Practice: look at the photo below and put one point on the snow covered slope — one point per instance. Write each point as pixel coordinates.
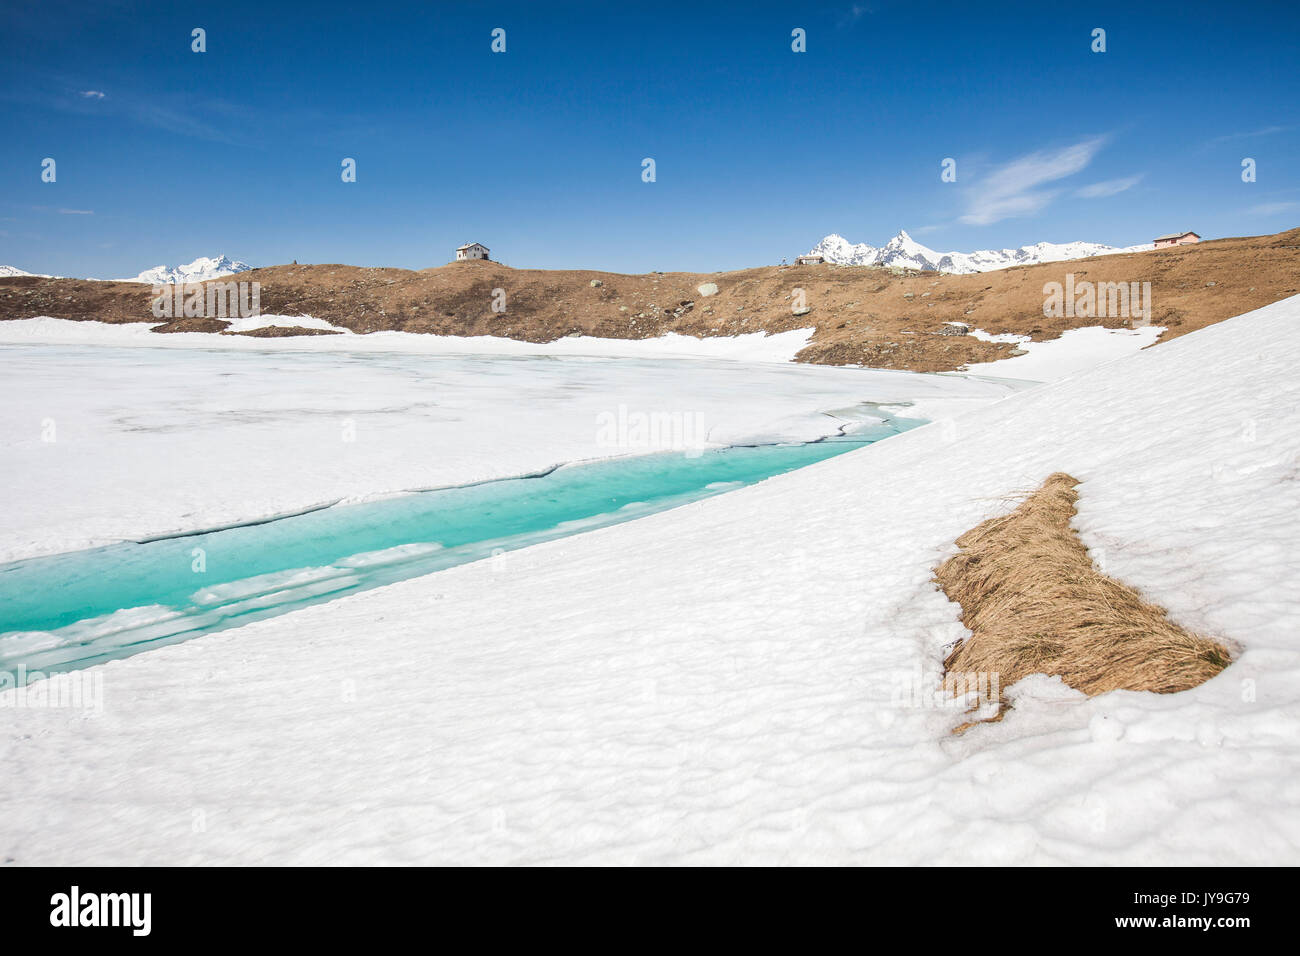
(905, 252)
(200, 270)
(746, 678)
(8, 271)
(1073, 351)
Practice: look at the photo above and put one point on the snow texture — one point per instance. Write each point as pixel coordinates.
(748, 678)
(1070, 352)
(109, 444)
(750, 347)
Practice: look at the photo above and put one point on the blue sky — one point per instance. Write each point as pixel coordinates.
(164, 155)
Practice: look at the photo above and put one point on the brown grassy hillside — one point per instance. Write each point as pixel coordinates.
(862, 315)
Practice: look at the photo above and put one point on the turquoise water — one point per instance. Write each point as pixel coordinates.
(71, 610)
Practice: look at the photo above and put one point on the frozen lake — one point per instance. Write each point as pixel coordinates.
(72, 610)
(159, 493)
(102, 444)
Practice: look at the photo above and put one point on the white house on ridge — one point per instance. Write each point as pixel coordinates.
(472, 250)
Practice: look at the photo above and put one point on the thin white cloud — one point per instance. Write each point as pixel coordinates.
(76, 212)
(196, 116)
(1013, 190)
(1266, 131)
(1272, 208)
(1109, 187)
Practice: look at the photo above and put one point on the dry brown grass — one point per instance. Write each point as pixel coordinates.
(862, 315)
(1035, 604)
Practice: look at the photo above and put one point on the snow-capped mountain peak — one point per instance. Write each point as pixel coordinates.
(200, 270)
(9, 271)
(903, 251)
(835, 248)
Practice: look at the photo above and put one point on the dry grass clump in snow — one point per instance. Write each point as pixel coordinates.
(1034, 603)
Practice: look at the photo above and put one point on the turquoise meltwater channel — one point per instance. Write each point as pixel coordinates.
(68, 611)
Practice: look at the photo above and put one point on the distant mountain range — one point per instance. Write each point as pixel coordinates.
(902, 252)
(905, 252)
(200, 270)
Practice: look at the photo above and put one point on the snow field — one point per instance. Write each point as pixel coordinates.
(727, 682)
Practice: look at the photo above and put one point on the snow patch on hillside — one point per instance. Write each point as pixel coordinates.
(1073, 351)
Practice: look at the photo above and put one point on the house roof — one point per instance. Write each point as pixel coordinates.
(1177, 235)
(468, 244)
